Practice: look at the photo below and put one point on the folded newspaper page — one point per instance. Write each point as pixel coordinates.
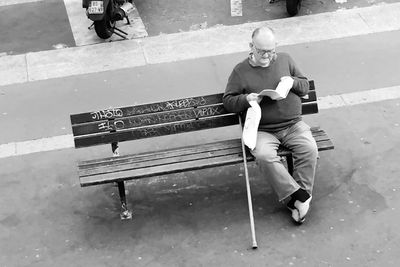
(250, 129)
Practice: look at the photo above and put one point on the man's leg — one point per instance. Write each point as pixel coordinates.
(271, 166)
(304, 149)
(305, 152)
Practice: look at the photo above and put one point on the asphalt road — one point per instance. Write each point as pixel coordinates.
(37, 25)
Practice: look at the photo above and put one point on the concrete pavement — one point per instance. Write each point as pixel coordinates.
(201, 218)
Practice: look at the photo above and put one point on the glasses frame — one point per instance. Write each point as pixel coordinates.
(262, 52)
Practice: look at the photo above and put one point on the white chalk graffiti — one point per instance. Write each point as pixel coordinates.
(185, 103)
(107, 114)
(208, 111)
(111, 125)
(166, 106)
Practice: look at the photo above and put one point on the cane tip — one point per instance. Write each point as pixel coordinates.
(255, 246)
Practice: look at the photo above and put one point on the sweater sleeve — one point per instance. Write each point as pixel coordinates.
(300, 84)
(234, 98)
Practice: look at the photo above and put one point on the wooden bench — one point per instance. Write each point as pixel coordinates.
(115, 125)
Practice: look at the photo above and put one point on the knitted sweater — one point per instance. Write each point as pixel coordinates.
(276, 114)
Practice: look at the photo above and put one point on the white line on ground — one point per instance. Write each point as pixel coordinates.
(327, 102)
(236, 8)
(15, 2)
(189, 45)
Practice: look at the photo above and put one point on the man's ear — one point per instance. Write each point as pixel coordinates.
(251, 45)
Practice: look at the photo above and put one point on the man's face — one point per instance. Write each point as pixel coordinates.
(263, 50)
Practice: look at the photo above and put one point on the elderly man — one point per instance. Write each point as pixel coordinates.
(280, 122)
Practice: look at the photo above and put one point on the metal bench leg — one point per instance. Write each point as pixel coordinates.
(115, 149)
(125, 213)
(289, 161)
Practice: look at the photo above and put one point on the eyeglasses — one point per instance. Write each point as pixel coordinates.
(262, 52)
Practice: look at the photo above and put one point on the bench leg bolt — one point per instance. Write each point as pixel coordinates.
(126, 215)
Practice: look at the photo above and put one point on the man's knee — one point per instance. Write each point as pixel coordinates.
(310, 149)
(312, 145)
(266, 155)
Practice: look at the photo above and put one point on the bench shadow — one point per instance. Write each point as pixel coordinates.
(195, 203)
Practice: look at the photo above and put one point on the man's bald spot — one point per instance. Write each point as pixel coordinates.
(263, 34)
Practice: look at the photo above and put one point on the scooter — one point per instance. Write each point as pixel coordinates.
(293, 7)
(105, 13)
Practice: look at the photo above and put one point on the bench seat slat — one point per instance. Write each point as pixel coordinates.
(325, 145)
(175, 160)
(148, 156)
(318, 135)
(160, 170)
(158, 162)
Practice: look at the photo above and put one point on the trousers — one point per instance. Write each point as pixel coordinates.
(298, 138)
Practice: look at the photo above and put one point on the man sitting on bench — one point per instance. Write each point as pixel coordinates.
(280, 122)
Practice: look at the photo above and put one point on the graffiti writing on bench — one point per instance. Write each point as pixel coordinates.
(166, 106)
(107, 114)
(171, 129)
(180, 127)
(157, 118)
(111, 125)
(185, 103)
(149, 132)
(170, 117)
(208, 111)
(165, 117)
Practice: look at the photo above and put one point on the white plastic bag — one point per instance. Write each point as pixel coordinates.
(250, 129)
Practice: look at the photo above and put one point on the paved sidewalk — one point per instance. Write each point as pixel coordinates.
(201, 218)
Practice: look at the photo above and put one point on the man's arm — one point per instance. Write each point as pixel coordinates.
(234, 98)
(300, 83)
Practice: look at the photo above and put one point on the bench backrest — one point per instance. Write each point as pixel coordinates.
(163, 118)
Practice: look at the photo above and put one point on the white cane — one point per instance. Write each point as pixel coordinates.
(246, 173)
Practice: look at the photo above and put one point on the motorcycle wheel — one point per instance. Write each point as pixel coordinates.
(293, 7)
(104, 27)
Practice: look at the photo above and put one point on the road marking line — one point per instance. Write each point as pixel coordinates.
(327, 102)
(16, 2)
(38, 145)
(196, 44)
(361, 97)
(236, 8)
